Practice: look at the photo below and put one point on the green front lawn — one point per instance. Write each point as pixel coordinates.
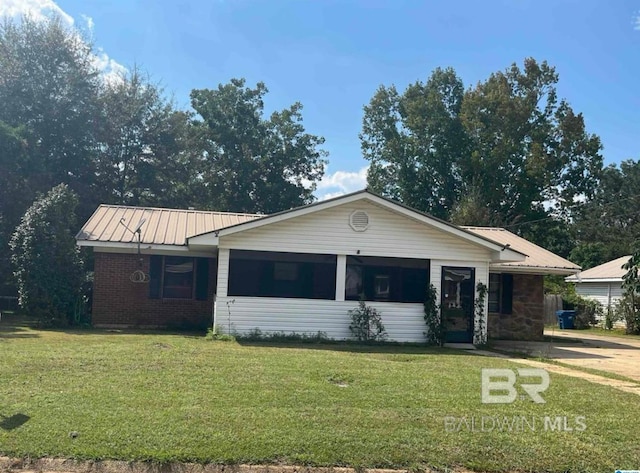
(165, 397)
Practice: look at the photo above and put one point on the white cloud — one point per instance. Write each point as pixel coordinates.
(36, 9)
(41, 10)
(112, 71)
(636, 23)
(88, 21)
(341, 182)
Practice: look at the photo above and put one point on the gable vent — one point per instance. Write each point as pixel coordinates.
(359, 220)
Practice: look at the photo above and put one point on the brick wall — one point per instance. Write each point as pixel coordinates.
(526, 322)
(118, 302)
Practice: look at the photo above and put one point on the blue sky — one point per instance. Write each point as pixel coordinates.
(331, 55)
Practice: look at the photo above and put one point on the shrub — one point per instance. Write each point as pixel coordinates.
(628, 309)
(258, 335)
(222, 337)
(587, 311)
(48, 267)
(366, 323)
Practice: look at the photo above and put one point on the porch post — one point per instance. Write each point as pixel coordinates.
(341, 276)
(223, 281)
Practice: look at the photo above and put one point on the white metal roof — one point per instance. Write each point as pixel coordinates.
(538, 259)
(609, 271)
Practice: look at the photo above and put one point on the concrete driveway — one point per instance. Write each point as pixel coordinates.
(577, 347)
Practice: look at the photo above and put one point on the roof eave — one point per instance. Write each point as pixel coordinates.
(592, 280)
(526, 269)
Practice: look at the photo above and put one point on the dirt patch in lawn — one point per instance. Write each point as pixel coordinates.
(59, 465)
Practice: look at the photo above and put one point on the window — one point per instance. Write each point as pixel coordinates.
(494, 292)
(178, 277)
(386, 279)
(292, 275)
(500, 293)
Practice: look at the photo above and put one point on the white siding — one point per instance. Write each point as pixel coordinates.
(328, 232)
(600, 291)
(403, 322)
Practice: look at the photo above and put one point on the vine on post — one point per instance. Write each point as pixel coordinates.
(433, 317)
(480, 324)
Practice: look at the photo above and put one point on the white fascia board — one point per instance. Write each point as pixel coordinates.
(503, 254)
(132, 248)
(498, 268)
(594, 280)
(204, 241)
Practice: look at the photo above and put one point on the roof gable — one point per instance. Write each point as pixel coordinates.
(609, 271)
(501, 252)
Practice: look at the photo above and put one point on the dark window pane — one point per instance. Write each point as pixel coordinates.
(386, 279)
(178, 277)
(271, 274)
(494, 292)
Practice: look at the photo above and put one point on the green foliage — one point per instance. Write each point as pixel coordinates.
(249, 163)
(555, 284)
(588, 311)
(257, 335)
(480, 317)
(49, 89)
(489, 155)
(366, 323)
(142, 139)
(590, 254)
(221, 337)
(121, 141)
(613, 314)
(630, 303)
(47, 262)
(607, 225)
(433, 317)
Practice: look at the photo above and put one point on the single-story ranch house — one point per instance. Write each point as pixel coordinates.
(601, 283)
(303, 269)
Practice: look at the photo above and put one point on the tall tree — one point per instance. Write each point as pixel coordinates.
(608, 226)
(49, 87)
(529, 150)
(249, 163)
(415, 142)
(504, 152)
(140, 141)
(48, 100)
(13, 200)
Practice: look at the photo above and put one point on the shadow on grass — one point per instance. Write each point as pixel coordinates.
(358, 347)
(13, 422)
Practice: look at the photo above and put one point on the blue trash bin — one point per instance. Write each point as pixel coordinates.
(565, 319)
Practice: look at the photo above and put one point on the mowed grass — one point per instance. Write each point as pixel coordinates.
(167, 397)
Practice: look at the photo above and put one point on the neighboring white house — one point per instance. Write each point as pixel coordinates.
(602, 283)
(302, 270)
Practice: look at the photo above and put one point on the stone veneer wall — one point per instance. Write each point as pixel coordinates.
(526, 322)
(118, 302)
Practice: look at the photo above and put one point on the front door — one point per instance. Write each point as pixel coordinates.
(458, 290)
